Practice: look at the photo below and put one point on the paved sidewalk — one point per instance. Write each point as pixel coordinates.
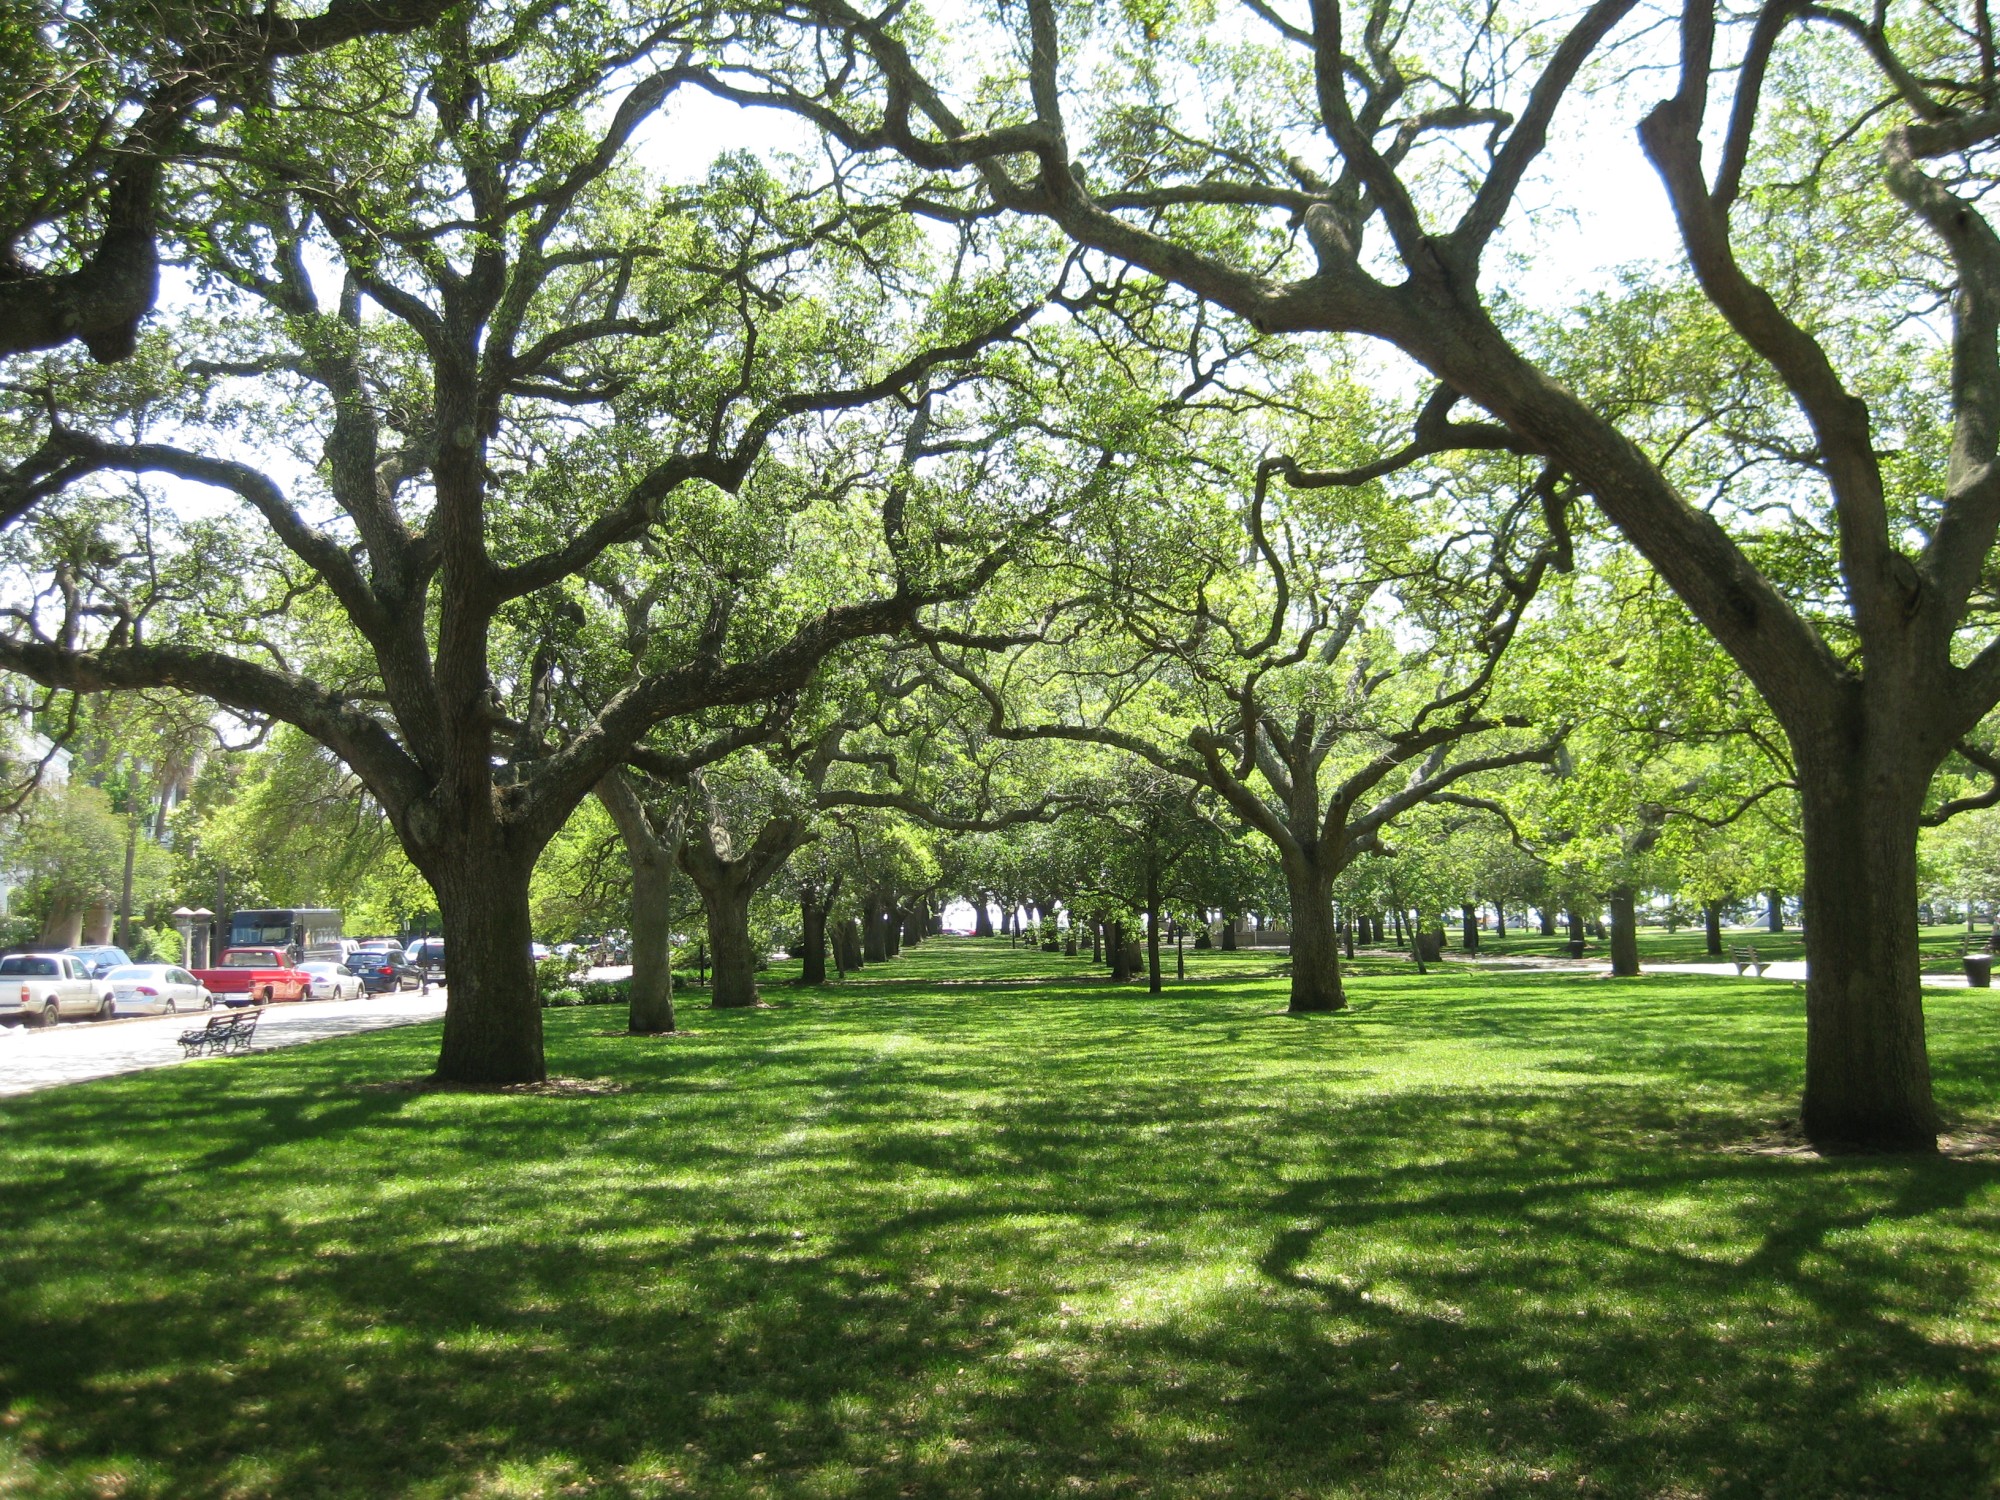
(1792, 969)
(76, 1050)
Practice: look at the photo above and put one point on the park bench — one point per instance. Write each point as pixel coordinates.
(225, 1033)
(1746, 958)
(1973, 943)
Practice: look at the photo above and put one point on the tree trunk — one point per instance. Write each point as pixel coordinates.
(492, 1015)
(1315, 947)
(1868, 1081)
(1469, 927)
(1576, 933)
(982, 917)
(1097, 938)
(1121, 956)
(1548, 916)
(851, 945)
(1396, 919)
(1153, 985)
(1711, 923)
(1229, 932)
(1775, 915)
(892, 932)
(97, 923)
(872, 925)
(125, 891)
(1624, 933)
(63, 927)
(652, 991)
(729, 946)
(812, 937)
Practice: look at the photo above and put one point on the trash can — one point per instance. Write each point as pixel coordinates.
(1979, 971)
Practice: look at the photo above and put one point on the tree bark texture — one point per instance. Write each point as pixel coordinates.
(1711, 926)
(1469, 928)
(727, 907)
(1774, 912)
(1316, 985)
(873, 931)
(814, 901)
(1868, 1080)
(651, 855)
(1624, 933)
(493, 1015)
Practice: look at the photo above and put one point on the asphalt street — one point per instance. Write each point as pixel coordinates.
(41, 1058)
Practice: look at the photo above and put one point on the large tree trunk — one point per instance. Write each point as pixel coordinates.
(1548, 916)
(1315, 947)
(1624, 933)
(1229, 932)
(63, 927)
(892, 932)
(492, 1015)
(730, 950)
(1468, 927)
(1774, 915)
(1711, 926)
(872, 924)
(982, 916)
(652, 987)
(812, 936)
(97, 924)
(1868, 1080)
(651, 856)
(1121, 954)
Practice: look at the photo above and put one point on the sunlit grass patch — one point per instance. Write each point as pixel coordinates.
(1485, 1235)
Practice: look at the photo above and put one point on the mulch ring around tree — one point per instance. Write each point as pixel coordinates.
(1960, 1143)
(560, 1088)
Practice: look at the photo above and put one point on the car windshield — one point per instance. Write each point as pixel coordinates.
(35, 966)
(133, 971)
(250, 960)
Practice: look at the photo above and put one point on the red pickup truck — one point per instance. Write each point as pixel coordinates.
(255, 976)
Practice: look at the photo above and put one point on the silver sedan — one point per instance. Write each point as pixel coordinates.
(331, 981)
(151, 989)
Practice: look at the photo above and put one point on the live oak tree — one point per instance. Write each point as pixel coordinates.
(1319, 665)
(484, 355)
(1330, 168)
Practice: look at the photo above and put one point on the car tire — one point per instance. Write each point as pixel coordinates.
(173, 1006)
(51, 1013)
(107, 1009)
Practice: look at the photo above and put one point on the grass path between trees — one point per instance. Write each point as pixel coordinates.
(1482, 1235)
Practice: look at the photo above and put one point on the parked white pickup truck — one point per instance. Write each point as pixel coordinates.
(41, 988)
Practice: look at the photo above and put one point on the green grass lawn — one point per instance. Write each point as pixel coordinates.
(1481, 1235)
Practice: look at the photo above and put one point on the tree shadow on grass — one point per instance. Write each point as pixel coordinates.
(1060, 1248)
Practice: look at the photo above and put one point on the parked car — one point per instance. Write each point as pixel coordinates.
(331, 981)
(428, 955)
(383, 967)
(42, 988)
(155, 989)
(101, 958)
(254, 976)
